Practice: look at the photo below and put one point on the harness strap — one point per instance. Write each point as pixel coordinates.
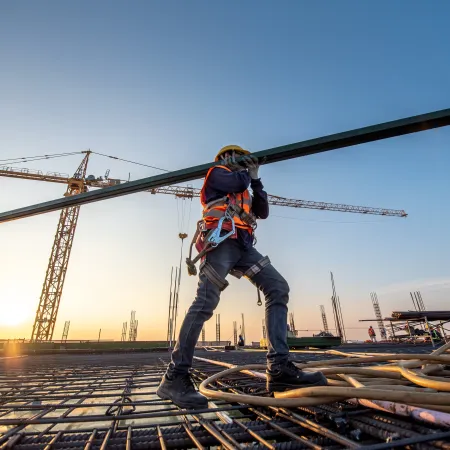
(236, 273)
(213, 202)
(256, 268)
(210, 273)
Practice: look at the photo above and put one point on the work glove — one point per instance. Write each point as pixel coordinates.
(252, 165)
(248, 162)
(230, 162)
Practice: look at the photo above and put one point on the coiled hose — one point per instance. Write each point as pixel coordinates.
(395, 382)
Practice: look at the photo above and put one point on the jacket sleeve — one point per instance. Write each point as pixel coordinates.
(260, 203)
(228, 182)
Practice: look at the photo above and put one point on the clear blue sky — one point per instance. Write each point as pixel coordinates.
(169, 83)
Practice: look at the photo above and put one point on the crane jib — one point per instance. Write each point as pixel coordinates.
(349, 138)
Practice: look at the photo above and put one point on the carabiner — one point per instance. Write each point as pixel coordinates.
(215, 238)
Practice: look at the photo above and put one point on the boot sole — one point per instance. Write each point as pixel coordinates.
(280, 387)
(182, 405)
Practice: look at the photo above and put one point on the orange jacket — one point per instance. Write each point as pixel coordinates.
(214, 210)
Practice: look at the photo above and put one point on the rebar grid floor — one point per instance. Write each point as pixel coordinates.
(109, 401)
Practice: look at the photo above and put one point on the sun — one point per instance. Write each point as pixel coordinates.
(13, 314)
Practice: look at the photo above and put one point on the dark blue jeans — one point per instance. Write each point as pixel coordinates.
(227, 256)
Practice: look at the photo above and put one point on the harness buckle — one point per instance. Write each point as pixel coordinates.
(214, 238)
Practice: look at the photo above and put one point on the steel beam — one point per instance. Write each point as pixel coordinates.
(332, 142)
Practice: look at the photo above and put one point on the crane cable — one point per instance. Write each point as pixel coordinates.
(23, 159)
(389, 382)
(131, 162)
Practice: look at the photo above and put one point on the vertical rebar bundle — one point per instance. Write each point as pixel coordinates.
(173, 306)
(235, 336)
(243, 328)
(123, 338)
(378, 315)
(417, 300)
(338, 319)
(292, 323)
(133, 327)
(203, 334)
(324, 319)
(65, 331)
(217, 328)
(169, 317)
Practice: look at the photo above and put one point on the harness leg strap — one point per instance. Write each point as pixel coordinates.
(213, 276)
(236, 273)
(256, 268)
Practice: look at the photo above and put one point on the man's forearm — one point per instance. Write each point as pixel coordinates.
(260, 203)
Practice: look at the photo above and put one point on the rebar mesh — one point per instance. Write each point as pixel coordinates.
(109, 401)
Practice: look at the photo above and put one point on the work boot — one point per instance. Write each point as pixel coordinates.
(288, 376)
(181, 390)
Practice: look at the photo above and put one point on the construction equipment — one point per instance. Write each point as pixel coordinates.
(57, 268)
(47, 311)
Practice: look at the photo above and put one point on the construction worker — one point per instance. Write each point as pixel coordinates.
(372, 334)
(225, 194)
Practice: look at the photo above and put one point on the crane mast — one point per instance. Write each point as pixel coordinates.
(52, 288)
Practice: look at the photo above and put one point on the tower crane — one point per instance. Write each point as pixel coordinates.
(52, 288)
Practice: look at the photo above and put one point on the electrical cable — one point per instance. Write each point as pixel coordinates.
(425, 390)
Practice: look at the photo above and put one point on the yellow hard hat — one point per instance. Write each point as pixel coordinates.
(231, 148)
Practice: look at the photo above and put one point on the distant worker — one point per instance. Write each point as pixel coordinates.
(372, 334)
(241, 342)
(436, 335)
(225, 242)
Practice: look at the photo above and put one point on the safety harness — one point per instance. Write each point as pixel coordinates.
(220, 219)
